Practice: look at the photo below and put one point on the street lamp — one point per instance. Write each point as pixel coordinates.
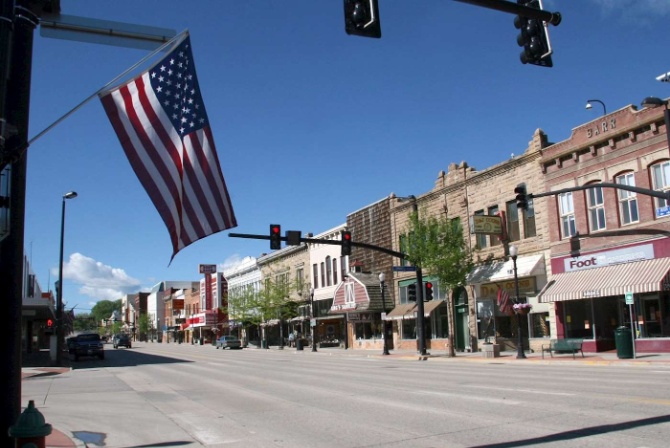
(59, 290)
(382, 277)
(652, 102)
(514, 252)
(420, 318)
(589, 106)
(312, 327)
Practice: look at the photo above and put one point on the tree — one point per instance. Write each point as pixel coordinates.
(104, 308)
(143, 324)
(84, 322)
(437, 246)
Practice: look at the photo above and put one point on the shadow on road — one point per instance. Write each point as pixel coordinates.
(579, 433)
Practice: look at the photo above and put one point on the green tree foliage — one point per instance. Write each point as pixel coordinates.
(104, 309)
(84, 322)
(144, 325)
(437, 246)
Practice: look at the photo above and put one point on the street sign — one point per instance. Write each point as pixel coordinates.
(207, 268)
(629, 298)
(486, 225)
(404, 268)
(312, 322)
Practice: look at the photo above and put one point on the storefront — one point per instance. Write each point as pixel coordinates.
(489, 281)
(358, 296)
(589, 297)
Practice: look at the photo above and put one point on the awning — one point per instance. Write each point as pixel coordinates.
(637, 277)
(429, 307)
(402, 311)
(504, 270)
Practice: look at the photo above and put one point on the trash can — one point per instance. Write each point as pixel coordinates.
(264, 344)
(298, 344)
(623, 342)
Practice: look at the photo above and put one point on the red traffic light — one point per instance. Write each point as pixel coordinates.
(276, 230)
(50, 323)
(429, 285)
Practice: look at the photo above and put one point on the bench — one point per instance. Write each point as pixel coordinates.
(563, 346)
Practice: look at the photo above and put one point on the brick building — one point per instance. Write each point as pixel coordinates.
(610, 246)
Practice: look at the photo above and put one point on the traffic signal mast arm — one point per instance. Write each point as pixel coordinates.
(532, 13)
(319, 241)
(645, 191)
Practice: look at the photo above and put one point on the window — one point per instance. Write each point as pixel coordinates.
(334, 271)
(349, 293)
(402, 243)
(529, 220)
(660, 178)
(343, 263)
(315, 275)
(323, 274)
(494, 241)
(300, 278)
(513, 232)
(627, 199)
(596, 205)
(567, 212)
(481, 240)
(329, 272)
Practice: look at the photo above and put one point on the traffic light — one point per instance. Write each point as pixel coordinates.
(521, 197)
(361, 18)
(50, 323)
(533, 37)
(275, 236)
(411, 292)
(429, 292)
(346, 242)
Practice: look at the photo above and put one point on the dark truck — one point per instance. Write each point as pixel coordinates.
(85, 344)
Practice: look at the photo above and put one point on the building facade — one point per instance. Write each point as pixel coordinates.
(610, 251)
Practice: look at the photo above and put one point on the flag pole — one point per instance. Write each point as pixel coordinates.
(178, 38)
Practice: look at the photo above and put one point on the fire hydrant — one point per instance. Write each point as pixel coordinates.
(30, 431)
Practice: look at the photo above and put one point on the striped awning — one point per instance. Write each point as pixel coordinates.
(637, 277)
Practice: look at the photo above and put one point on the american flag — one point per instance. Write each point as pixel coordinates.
(504, 302)
(160, 120)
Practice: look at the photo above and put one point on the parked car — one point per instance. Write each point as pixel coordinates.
(228, 342)
(85, 344)
(121, 340)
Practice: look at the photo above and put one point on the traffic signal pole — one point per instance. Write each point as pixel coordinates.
(16, 108)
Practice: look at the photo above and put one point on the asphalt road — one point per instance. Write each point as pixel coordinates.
(183, 395)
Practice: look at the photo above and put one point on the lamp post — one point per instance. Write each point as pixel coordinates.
(589, 106)
(59, 290)
(651, 102)
(514, 252)
(382, 277)
(311, 311)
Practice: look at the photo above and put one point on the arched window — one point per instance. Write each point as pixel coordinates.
(596, 205)
(660, 180)
(329, 272)
(566, 209)
(627, 199)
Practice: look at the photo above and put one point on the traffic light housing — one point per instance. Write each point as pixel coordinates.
(428, 296)
(521, 197)
(275, 236)
(411, 292)
(346, 242)
(533, 37)
(361, 18)
(50, 323)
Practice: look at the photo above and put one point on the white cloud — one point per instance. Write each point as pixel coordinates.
(641, 11)
(231, 262)
(97, 280)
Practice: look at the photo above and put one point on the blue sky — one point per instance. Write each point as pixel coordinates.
(312, 124)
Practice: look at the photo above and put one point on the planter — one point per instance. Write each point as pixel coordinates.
(523, 311)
